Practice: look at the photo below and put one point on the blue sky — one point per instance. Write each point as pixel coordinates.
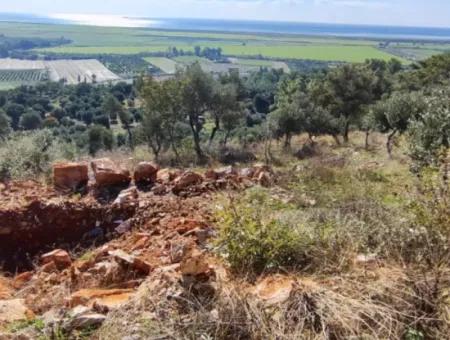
(383, 12)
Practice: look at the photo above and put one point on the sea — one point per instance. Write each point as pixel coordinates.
(241, 26)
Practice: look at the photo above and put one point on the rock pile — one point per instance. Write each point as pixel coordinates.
(161, 233)
(162, 181)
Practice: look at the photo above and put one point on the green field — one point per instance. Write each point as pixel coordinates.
(312, 52)
(253, 62)
(164, 64)
(126, 41)
(10, 79)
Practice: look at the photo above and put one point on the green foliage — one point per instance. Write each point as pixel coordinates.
(197, 95)
(426, 74)
(30, 120)
(14, 111)
(413, 334)
(291, 104)
(394, 114)
(251, 242)
(429, 132)
(225, 110)
(36, 324)
(27, 155)
(112, 107)
(99, 138)
(346, 91)
(5, 125)
(163, 115)
(296, 112)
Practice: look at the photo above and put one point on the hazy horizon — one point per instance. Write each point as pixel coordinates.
(431, 13)
(108, 20)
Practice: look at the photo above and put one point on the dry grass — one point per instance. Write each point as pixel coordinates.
(368, 303)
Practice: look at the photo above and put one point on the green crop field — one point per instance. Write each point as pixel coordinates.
(129, 41)
(253, 62)
(12, 78)
(313, 52)
(164, 64)
(124, 50)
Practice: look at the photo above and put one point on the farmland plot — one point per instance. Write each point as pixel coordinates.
(166, 65)
(18, 64)
(260, 63)
(15, 72)
(22, 75)
(76, 71)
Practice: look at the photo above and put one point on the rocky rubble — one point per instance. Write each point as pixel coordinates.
(150, 234)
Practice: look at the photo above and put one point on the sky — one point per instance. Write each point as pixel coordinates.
(432, 13)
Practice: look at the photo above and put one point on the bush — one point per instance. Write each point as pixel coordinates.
(429, 132)
(253, 240)
(5, 124)
(31, 120)
(100, 138)
(27, 155)
(229, 155)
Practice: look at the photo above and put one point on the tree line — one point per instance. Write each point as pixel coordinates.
(198, 111)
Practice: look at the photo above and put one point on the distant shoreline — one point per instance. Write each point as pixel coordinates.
(238, 26)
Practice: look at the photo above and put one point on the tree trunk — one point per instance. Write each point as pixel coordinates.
(175, 151)
(196, 135)
(389, 142)
(156, 150)
(366, 144)
(213, 132)
(130, 137)
(198, 149)
(346, 131)
(225, 140)
(268, 150)
(287, 141)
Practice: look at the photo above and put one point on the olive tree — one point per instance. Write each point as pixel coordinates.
(197, 94)
(429, 130)
(163, 114)
(287, 118)
(392, 115)
(345, 92)
(224, 108)
(296, 112)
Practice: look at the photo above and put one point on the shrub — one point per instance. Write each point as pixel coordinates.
(100, 138)
(27, 155)
(31, 120)
(429, 132)
(5, 125)
(259, 233)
